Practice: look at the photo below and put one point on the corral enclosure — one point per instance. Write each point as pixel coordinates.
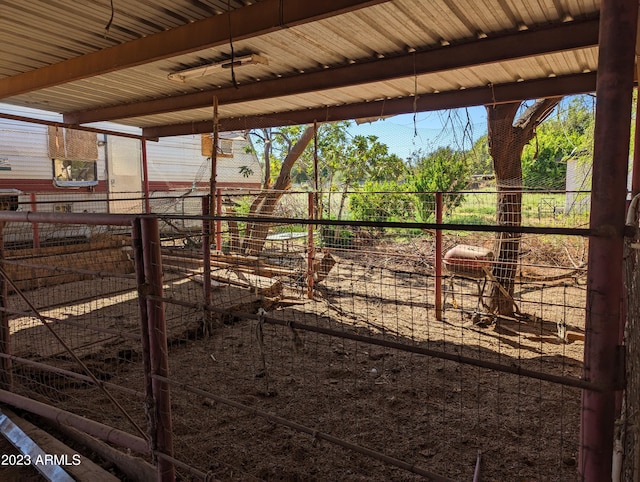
(272, 377)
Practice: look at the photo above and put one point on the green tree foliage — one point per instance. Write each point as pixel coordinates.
(382, 201)
(479, 157)
(568, 134)
(368, 163)
(443, 170)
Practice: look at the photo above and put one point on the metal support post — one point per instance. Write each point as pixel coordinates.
(310, 246)
(618, 25)
(158, 349)
(438, 260)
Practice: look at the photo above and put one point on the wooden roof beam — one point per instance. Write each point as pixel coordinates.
(511, 92)
(516, 45)
(256, 19)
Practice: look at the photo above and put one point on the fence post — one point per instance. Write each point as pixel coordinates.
(145, 176)
(310, 245)
(6, 376)
(219, 221)
(206, 251)
(438, 260)
(136, 242)
(158, 350)
(36, 226)
(602, 363)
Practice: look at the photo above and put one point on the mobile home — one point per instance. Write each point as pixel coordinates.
(52, 169)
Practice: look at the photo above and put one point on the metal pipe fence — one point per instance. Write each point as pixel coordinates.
(342, 349)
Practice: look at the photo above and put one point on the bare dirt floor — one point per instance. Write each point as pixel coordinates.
(359, 383)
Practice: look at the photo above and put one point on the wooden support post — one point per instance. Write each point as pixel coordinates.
(158, 348)
(438, 260)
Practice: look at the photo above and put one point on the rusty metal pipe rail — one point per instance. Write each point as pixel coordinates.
(91, 427)
(68, 373)
(93, 219)
(53, 320)
(65, 269)
(514, 370)
(402, 225)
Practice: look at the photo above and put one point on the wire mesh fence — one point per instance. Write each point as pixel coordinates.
(369, 342)
(627, 448)
(319, 351)
(74, 324)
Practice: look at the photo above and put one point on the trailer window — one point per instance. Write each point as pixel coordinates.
(225, 148)
(8, 203)
(76, 173)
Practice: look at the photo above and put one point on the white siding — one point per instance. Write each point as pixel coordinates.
(180, 159)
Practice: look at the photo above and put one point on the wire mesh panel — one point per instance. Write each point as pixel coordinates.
(327, 360)
(304, 347)
(74, 325)
(627, 441)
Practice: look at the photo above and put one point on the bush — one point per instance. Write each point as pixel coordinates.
(381, 201)
(443, 170)
(336, 237)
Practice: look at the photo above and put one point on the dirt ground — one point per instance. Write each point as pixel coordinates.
(342, 386)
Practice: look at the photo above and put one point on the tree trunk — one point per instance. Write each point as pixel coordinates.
(506, 142)
(265, 204)
(266, 155)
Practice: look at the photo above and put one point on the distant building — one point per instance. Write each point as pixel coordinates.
(578, 185)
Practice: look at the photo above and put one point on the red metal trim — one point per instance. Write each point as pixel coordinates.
(46, 186)
(93, 219)
(33, 120)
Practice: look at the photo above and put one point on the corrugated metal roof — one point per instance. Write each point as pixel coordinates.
(39, 33)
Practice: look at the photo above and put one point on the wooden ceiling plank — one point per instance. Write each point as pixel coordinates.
(253, 20)
(517, 45)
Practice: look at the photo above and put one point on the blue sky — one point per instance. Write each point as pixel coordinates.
(457, 128)
(404, 134)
